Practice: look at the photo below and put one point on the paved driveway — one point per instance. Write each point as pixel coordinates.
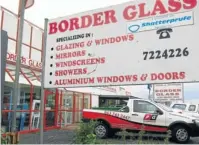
(66, 137)
(50, 137)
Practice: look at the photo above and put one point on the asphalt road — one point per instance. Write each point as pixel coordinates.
(67, 137)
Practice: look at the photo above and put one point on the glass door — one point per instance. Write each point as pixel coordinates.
(49, 113)
(78, 106)
(65, 114)
(6, 107)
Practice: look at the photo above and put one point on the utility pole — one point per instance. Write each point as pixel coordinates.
(149, 86)
(18, 63)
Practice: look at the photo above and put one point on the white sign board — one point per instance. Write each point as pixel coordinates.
(168, 92)
(139, 42)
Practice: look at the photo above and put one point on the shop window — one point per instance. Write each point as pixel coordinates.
(35, 55)
(86, 101)
(25, 51)
(50, 102)
(26, 33)
(67, 101)
(11, 49)
(37, 38)
(192, 108)
(9, 24)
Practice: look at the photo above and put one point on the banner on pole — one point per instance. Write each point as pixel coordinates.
(138, 42)
(168, 92)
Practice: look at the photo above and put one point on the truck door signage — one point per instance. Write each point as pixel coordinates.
(150, 117)
(118, 115)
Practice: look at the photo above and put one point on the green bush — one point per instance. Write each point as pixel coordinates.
(85, 133)
(5, 139)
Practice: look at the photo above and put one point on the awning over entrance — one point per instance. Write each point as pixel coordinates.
(27, 75)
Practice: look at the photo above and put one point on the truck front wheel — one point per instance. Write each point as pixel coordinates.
(101, 130)
(180, 134)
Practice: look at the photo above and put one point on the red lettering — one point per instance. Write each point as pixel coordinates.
(63, 26)
(153, 76)
(159, 7)
(74, 25)
(161, 76)
(117, 39)
(71, 72)
(131, 37)
(53, 28)
(129, 12)
(182, 75)
(13, 57)
(111, 79)
(168, 76)
(110, 17)
(98, 19)
(95, 19)
(174, 5)
(56, 82)
(175, 76)
(30, 63)
(121, 78)
(23, 60)
(189, 4)
(86, 21)
(142, 12)
(70, 54)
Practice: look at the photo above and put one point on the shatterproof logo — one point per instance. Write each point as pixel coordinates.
(167, 21)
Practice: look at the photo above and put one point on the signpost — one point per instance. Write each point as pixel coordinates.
(132, 43)
(104, 47)
(18, 64)
(149, 86)
(4, 48)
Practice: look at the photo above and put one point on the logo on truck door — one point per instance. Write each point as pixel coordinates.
(150, 117)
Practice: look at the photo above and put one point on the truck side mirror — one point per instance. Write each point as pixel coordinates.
(159, 112)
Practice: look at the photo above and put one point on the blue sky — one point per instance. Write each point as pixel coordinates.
(191, 91)
(52, 9)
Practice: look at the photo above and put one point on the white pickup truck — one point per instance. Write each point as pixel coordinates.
(190, 109)
(141, 113)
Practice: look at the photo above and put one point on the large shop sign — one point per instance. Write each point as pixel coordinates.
(168, 92)
(139, 42)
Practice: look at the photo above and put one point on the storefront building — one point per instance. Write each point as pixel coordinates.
(62, 107)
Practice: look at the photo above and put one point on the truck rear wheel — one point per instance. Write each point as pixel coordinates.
(180, 134)
(101, 130)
